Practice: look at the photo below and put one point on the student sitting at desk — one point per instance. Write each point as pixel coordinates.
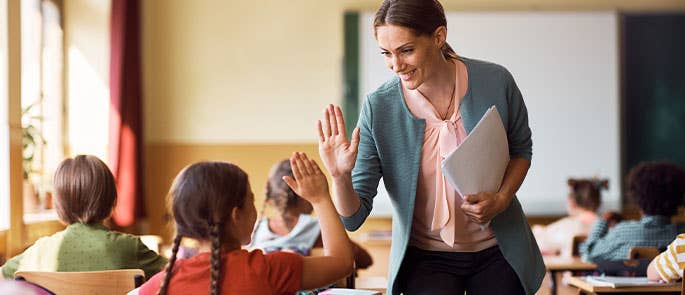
(212, 202)
(668, 266)
(583, 200)
(658, 189)
(293, 229)
(85, 194)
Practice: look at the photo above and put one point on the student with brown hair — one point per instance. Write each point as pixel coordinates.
(584, 199)
(85, 194)
(212, 202)
(293, 228)
(658, 188)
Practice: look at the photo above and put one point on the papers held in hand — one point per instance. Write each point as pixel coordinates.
(479, 163)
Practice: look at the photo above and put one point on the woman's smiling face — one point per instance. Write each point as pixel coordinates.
(407, 54)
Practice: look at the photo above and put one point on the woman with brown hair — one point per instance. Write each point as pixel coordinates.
(406, 128)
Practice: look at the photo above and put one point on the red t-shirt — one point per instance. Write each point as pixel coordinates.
(244, 272)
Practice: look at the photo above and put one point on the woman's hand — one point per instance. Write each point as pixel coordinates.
(337, 152)
(310, 183)
(483, 207)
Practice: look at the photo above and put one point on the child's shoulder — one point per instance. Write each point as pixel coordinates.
(629, 226)
(259, 255)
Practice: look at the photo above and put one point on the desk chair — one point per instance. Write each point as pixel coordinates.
(643, 252)
(575, 244)
(113, 282)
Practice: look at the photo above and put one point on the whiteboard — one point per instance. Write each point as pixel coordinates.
(566, 65)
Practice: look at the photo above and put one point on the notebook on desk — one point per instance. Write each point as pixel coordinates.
(618, 282)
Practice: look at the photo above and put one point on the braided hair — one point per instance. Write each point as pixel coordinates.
(167, 276)
(215, 238)
(202, 198)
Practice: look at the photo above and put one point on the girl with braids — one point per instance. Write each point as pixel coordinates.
(584, 199)
(212, 202)
(293, 228)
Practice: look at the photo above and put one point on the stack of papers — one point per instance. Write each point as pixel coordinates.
(617, 282)
(479, 163)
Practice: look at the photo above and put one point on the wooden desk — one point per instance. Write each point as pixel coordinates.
(585, 288)
(557, 264)
(372, 283)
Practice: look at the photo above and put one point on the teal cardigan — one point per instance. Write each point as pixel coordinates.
(390, 147)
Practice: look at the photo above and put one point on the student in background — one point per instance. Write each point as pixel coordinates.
(669, 265)
(213, 203)
(293, 229)
(583, 201)
(85, 194)
(658, 188)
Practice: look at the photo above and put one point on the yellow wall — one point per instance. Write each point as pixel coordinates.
(86, 42)
(239, 71)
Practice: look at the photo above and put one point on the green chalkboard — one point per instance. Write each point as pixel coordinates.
(653, 88)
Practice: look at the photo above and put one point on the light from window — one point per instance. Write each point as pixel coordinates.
(4, 123)
(42, 88)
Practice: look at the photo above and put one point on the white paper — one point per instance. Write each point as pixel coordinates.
(616, 282)
(479, 163)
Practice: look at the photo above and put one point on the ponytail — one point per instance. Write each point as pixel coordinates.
(448, 52)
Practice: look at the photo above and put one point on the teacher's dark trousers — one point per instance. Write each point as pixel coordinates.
(477, 273)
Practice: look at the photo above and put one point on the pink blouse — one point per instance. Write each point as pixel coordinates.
(439, 224)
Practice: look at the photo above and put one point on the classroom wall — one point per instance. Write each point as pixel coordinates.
(245, 81)
(86, 42)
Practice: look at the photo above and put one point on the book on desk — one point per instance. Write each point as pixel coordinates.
(619, 282)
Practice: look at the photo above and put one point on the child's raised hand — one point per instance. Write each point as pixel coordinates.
(310, 183)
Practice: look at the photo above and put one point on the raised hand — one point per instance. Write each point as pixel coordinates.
(337, 152)
(310, 183)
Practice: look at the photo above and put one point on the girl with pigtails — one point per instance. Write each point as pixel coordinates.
(212, 202)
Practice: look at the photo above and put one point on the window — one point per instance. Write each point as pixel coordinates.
(4, 123)
(41, 99)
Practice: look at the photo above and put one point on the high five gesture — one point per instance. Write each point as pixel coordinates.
(337, 152)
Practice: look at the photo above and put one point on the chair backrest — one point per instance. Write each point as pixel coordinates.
(113, 282)
(575, 244)
(643, 253)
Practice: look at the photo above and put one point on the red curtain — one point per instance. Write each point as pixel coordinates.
(125, 127)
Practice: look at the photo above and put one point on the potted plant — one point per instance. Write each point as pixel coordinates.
(32, 141)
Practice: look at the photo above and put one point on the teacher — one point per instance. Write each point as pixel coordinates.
(442, 243)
